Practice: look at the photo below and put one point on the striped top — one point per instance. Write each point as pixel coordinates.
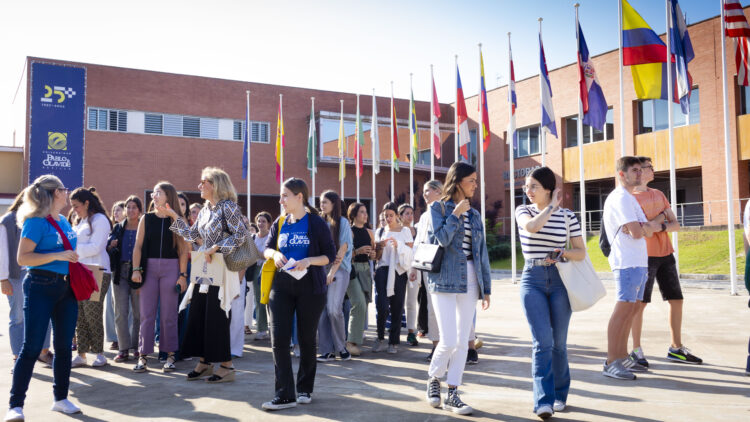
(552, 235)
(466, 246)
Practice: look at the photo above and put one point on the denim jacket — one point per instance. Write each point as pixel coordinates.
(447, 230)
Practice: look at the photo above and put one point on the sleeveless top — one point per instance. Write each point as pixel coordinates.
(361, 238)
(158, 241)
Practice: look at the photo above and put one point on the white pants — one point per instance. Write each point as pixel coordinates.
(412, 291)
(237, 323)
(433, 330)
(455, 317)
(249, 304)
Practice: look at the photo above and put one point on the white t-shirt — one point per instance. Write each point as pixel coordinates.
(92, 241)
(621, 208)
(746, 217)
(404, 236)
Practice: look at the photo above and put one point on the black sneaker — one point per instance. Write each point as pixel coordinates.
(433, 392)
(345, 355)
(638, 356)
(429, 357)
(411, 338)
(454, 404)
(326, 357)
(278, 403)
(472, 358)
(683, 355)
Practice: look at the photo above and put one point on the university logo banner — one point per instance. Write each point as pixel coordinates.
(56, 125)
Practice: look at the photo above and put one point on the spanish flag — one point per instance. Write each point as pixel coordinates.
(279, 144)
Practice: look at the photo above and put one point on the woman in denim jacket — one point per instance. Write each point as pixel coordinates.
(463, 279)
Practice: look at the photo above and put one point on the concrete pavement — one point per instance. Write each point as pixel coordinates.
(382, 387)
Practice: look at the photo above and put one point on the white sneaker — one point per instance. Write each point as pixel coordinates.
(392, 349)
(559, 406)
(544, 412)
(100, 360)
(14, 414)
(78, 361)
(261, 335)
(65, 406)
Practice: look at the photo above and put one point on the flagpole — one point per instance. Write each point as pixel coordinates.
(581, 181)
(432, 128)
(314, 169)
(342, 152)
(393, 195)
(374, 126)
(542, 132)
(622, 90)
(480, 145)
(247, 136)
(670, 121)
(356, 146)
(455, 116)
(511, 159)
(728, 159)
(412, 150)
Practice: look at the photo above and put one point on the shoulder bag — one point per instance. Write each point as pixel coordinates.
(269, 270)
(243, 256)
(580, 279)
(82, 280)
(429, 256)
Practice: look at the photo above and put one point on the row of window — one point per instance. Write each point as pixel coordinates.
(175, 125)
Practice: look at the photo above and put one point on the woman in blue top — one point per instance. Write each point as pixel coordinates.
(305, 238)
(47, 290)
(332, 330)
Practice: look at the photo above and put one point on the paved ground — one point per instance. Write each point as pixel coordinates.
(380, 387)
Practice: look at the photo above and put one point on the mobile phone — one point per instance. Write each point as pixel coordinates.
(555, 255)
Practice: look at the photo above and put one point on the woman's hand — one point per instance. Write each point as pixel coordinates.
(182, 282)
(70, 256)
(338, 259)
(372, 255)
(301, 265)
(412, 275)
(112, 244)
(556, 251)
(279, 259)
(364, 250)
(556, 198)
(462, 207)
(136, 277)
(330, 278)
(393, 242)
(486, 302)
(7, 288)
(210, 252)
(167, 210)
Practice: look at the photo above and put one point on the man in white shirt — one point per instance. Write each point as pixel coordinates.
(626, 226)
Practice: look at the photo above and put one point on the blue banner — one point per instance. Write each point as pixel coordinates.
(56, 125)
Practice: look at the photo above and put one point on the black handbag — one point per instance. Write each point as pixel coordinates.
(429, 256)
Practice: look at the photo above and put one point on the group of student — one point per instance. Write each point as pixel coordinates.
(324, 260)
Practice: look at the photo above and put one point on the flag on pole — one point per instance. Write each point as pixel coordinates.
(374, 137)
(279, 144)
(484, 112)
(394, 136)
(681, 50)
(342, 149)
(245, 143)
(512, 99)
(738, 28)
(360, 143)
(592, 98)
(548, 113)
(434, 121)
(413, 133)
(463, 119)
(312, 143)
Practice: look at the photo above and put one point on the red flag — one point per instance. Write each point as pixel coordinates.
(434, 121)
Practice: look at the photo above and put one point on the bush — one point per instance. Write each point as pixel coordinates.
(499, 251)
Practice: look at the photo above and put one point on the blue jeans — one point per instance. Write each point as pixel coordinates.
(45, 298)
(15, 317)
(545, 303)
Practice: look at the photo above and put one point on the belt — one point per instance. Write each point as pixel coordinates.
(539, 262)
(48, 274)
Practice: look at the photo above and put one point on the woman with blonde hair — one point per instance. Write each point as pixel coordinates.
(48, 291)
(220, 228)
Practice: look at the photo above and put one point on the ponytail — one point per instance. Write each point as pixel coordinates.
(38, 198)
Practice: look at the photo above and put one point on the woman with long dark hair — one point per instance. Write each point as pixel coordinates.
(463, 279)
(300, 245)
(160, 260)
(332, 328)
(360, 285)
(93, 229)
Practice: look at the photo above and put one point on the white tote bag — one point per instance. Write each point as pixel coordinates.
(583, 284)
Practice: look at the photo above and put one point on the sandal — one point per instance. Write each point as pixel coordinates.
(141, 365)
(248, 331)
(169, 364)
(206, 372)
(229, 377)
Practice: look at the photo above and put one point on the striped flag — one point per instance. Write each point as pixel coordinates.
(592, 98)
(359, 143)
(394, 135)
(413, 132)
(246, 142)
(512, 99)
(342, 149)
(374, 137)
(738, 28)
(548, 113)
(279, 144)
(463, 119)
(312, 143)
(681, 50)
(434, 121)
(485, 115)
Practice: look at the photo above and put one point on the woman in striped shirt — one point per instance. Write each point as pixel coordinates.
(542, 228)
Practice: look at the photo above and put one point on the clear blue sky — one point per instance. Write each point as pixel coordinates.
(335, 45)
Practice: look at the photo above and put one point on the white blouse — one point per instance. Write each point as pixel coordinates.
(92, 241)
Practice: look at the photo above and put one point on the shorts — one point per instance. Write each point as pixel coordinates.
(629, 283)
(664, 270)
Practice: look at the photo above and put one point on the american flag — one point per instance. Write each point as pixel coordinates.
(736, 27)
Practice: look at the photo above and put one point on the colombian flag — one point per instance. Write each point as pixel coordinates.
(483, 106)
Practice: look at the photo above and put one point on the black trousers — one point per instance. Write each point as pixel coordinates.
(289, 295)
(422, 316)
(393, 305)
(207, 332)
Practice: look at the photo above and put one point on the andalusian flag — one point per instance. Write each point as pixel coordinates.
(485, 133)
(279, 144)
(394, 135)
(413, 133)
(342, 149)
(312, 142)
(374, 139)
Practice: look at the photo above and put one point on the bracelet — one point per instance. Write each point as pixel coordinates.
(139, 269)
(184, 275)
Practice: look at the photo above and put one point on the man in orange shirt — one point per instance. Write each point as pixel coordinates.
(661, 267)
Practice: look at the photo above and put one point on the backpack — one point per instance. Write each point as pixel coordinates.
(604, 241)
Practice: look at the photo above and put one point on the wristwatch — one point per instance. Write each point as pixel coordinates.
(184, 275)
(663, 227)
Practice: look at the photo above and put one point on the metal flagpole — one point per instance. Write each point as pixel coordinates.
(247, 136)
(342, 153)
(542, 132)
(480, 142)
(374, 126)
(581, 175)
(511, 178)
(432, 128)
(356, 147)
(622, 90)
(728, 159)
(393, 195)
(314, 164)
(670, 121)
(411, 143)
(455, 116)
